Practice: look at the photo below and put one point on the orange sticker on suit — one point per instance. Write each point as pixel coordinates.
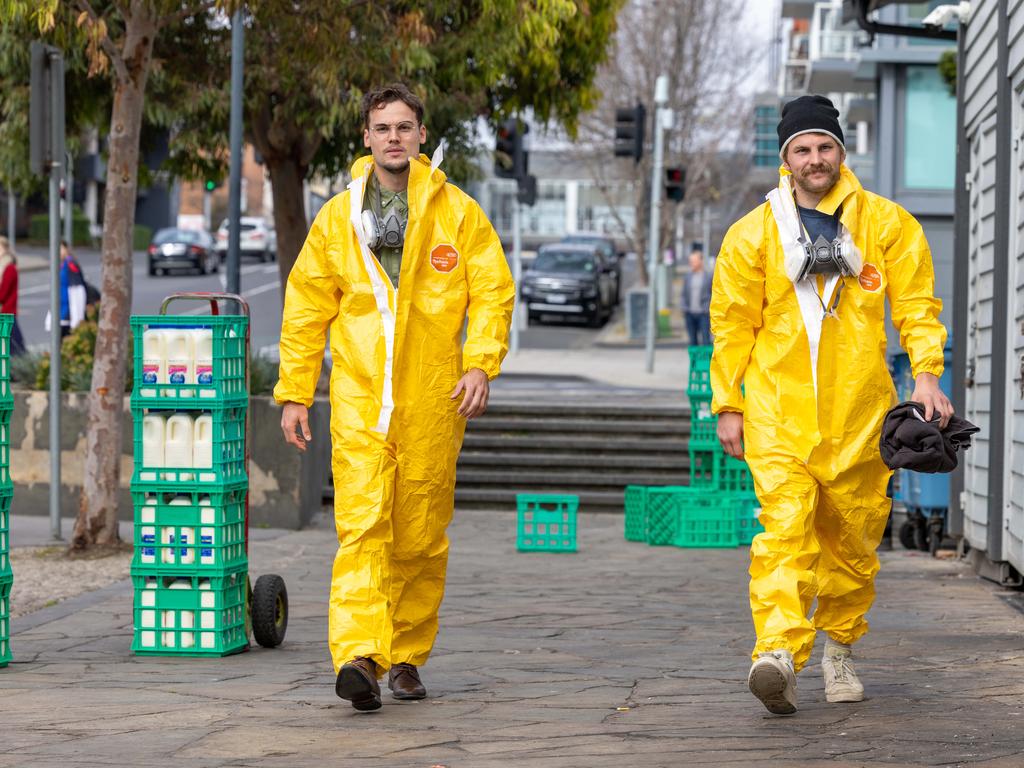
(444, 257)
(870, 278)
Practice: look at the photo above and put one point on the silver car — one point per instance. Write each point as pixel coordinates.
(257, 238)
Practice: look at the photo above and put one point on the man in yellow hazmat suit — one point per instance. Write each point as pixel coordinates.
(801, 387)
(392, 267)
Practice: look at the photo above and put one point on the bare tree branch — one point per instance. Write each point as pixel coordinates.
(184, 13)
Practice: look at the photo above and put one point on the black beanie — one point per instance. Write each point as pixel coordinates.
(809, 114)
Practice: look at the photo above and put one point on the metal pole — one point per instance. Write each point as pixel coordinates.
(706, 231)
(235, 179)
(69, 182)
(661, 116)
(56, 155)
(12, 212)
(517, 272)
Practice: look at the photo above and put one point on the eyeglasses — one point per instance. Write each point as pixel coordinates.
(383, 130)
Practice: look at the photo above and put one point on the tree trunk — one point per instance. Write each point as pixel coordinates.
(286, 178)
(96, 524)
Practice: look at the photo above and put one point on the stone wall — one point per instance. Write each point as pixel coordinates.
(285, 487)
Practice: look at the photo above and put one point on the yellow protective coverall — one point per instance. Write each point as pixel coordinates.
(397, 357)
(811, 441)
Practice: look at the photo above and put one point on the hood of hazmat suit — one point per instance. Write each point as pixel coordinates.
(810, 357)
(397, 356)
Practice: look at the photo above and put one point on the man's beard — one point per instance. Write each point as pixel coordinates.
(396, 165)
(803, 180)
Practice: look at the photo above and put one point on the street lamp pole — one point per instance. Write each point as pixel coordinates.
(662, 120)
(235, 178)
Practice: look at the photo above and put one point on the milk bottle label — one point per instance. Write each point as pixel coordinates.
(150, 373)
(204, 373)
(176, 373)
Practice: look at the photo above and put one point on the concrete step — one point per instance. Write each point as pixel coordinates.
(673, 427)
(598, 408)
(593, 480)
(576, 459)
(505, 499)
(479, 440)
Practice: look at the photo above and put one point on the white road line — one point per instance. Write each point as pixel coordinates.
(34, 289)
(261, 289)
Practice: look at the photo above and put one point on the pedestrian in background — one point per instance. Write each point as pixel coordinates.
(400, 370)
(696, 301)
(9, 293)
(798, 314)
(73, 295)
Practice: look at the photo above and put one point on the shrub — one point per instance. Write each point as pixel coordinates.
(262, 375)
(77, 353)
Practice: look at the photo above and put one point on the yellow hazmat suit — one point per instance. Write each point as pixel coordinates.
(811, 433)
(397, 357)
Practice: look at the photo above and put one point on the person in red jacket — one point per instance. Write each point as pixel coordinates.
(9, 293)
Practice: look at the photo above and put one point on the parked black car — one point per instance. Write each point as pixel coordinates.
(609, 255)
(182, 249)
(570, 281)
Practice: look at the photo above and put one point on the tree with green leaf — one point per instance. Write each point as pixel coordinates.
(117, 40)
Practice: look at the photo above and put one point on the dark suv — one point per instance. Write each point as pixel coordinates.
(609, 255)
(568, 280)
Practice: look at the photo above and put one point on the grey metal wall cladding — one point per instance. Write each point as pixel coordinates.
(981, 217)
(1013, 469)
(980, 80)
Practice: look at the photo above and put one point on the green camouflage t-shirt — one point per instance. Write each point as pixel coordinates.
(382, 201)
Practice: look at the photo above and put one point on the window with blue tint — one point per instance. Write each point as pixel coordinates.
(929, 139)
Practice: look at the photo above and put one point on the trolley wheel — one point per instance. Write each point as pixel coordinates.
(935, 534)
(269, 610)
(921, 533)
(907, 535)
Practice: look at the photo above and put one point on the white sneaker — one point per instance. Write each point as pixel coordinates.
(773, 680)
(841, 682)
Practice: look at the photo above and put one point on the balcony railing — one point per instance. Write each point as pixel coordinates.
(828, 38)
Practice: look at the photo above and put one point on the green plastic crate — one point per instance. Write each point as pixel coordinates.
(704, 466)
(546, 522)
(706, 521)
(197, 615)
(5, 622)
(635, 503)
(228, 465)
(733, 475)
(197, 532)
(700, 371)
(6, 495)
(748, 523)
(703, 431)
(222, 386)
(5, 447)
(663, 514)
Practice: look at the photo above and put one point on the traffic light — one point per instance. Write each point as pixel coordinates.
(629, 132)
(527, 191)
(210, 185)
(510, 157)
(675, 184)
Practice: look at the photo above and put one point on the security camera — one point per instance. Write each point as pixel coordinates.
(944, 14)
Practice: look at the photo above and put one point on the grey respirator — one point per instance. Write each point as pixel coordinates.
(389, 233)
(823, 257)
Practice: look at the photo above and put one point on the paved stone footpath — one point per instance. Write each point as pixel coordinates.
(619, 655)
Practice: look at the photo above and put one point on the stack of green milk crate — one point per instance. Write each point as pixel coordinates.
(719, 507)
(189, 486)
(6, 488)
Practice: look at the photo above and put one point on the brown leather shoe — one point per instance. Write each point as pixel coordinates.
(357, 682)
(404, 682)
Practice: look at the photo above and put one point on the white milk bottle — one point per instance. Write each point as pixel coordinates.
(154, 429)
(202, 447)
(154, 360)
(186, 536)
(203, 342)
(147, 532)
(181, 364)
(178, 445)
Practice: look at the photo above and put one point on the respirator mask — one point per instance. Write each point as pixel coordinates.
(823, 257)
(389, 233)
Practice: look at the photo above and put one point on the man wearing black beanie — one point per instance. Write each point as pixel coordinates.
(801, 386)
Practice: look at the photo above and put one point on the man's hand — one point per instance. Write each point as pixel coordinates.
(730, 433)
(295, 425)
(475, 389)
(934, 400)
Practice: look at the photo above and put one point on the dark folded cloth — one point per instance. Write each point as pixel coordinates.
(910, 442)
